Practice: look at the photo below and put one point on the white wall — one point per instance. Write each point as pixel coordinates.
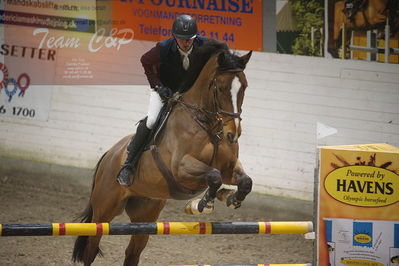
(286, 97)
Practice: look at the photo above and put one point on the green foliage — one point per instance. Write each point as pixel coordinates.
(308, 13)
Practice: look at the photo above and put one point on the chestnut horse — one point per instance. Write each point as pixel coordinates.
(198, 146)
(373, 16)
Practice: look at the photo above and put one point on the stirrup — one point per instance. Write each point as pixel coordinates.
(123, 175)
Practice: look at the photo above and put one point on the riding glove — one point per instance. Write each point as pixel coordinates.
(164, 92)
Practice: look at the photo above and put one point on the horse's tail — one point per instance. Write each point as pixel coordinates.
(85, 217)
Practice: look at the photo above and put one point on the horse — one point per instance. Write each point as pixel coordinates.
(198, 147)
(373, 16)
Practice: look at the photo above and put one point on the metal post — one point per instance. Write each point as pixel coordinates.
(343, 50)
(316, 184)
(269, 26)
(312, 37)
(351, 44)
(321, 41)
(372, 43)
(387, 41)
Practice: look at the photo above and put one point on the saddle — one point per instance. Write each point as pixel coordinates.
(161, 121)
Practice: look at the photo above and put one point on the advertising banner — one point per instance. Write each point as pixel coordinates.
(237, 22)
(63, 15)
(62, 43)
(46, 43)
(358, 205)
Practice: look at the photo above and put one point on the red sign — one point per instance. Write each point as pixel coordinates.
(237, 22)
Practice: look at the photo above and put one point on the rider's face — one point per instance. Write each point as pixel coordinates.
(184, 44)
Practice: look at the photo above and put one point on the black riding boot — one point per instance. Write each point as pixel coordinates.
(134, 150)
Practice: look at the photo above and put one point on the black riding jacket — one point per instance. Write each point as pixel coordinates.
(163, 63)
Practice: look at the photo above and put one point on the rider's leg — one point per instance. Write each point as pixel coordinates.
(133, 150)
(153, 108)
(139, 140)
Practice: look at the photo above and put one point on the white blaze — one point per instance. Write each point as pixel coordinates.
(235, 88)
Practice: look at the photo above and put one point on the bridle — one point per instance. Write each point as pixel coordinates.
(217, 107)
(212, 120)
(216, 115)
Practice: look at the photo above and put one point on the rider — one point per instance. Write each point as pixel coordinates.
(352, 6)
(164, 65)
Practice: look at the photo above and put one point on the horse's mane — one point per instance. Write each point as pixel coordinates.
(200, 57)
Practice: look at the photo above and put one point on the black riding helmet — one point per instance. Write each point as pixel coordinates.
(184, 27)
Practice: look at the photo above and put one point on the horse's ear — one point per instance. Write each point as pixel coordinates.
(246, 57)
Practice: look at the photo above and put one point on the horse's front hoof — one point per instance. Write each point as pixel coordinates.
(192, 208)
(233, 203)
(224, 193)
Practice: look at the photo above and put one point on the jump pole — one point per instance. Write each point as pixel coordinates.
(158, 228)
(245, 265)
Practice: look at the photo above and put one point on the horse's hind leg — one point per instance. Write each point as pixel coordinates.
(140, 210)
(106, 203)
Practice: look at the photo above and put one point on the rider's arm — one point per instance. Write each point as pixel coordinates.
(151, 61)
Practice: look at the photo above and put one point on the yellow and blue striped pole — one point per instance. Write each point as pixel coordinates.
(159, 228)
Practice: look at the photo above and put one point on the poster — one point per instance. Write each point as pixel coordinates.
(362, 242)
(93, 42)
(47, 43)
(61, 14)
(72, 42)
(237, 22)
(358, 204)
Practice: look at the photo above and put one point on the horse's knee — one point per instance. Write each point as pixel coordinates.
(245, 185)
(214, 179)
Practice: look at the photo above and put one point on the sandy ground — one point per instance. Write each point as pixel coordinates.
(42, 199)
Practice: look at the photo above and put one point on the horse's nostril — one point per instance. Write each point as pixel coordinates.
(230, 137)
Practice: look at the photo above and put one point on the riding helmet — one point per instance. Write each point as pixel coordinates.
(184, 27)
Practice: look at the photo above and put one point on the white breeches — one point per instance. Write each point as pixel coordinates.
(153, 108)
